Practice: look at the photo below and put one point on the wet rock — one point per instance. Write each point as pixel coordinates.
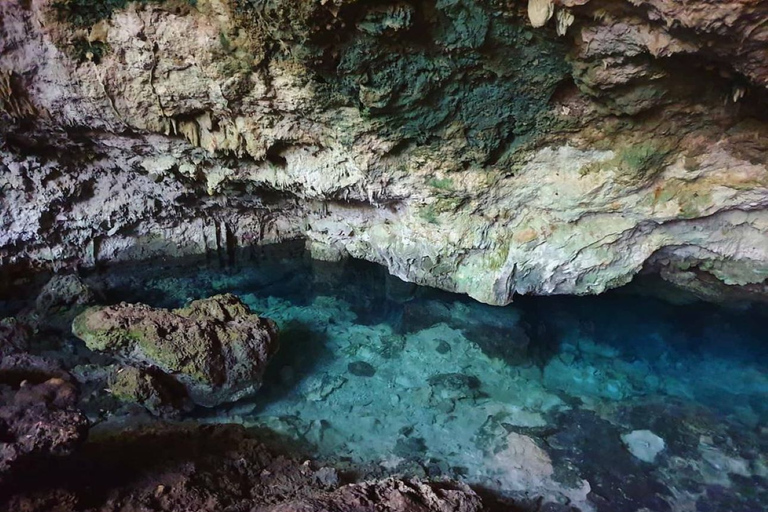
(38, 414)
(327, 477)
(155, 390)
(361, 369)
(14, 336)
(499, 332)
(191, 467)
(643, 444)
(447, 388)
(322, 388)
(215, 347)
(63, 290)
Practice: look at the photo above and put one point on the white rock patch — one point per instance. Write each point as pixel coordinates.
(643, 444)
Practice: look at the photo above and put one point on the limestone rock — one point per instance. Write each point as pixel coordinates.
(38, 414)
(473, 155)
(389, 495)
(158, 392)
(540, 11)
(63, 290)
(215, 347)
(643, 444)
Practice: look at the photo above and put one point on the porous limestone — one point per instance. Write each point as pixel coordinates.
(479, 154)
(215, 347)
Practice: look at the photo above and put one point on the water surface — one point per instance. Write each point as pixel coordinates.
(529, 399)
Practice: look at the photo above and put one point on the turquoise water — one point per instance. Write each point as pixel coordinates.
(539, 398)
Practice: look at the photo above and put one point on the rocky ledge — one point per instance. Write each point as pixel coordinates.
(487, 147)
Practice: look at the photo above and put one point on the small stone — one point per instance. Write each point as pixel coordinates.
(643, 444)
(443, 347)
(361, 369)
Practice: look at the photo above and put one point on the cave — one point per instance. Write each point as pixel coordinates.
(387, 255)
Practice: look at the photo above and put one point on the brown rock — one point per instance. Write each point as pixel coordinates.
(215, 347)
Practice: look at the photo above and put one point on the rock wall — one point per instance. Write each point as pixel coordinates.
(489, 147)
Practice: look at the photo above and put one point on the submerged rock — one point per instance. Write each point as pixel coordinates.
(361, 369)
(215, 347)
(14, 336)
(643, 444)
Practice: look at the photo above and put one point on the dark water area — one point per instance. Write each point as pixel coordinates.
(616, 402)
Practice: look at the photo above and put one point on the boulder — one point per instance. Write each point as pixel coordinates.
(38, 414)
(63, 290)
(216, 348)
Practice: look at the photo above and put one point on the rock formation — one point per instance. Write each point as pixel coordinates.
(215, 347)
(482, 146)
(175, 467)
(38, 414)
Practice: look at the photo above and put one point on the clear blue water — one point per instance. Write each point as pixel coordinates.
(539, 398)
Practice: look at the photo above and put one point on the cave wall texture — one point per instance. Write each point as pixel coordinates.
(488, 147)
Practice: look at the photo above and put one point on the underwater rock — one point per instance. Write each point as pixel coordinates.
(215, 347)
(361, 369)
(321, 388)
(447, 388)
(499, 332)
(584, 380)
(643, 444)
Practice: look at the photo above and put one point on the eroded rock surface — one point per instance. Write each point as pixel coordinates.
(489, 148)
(38, 413)
(215, 347)
(173, 467)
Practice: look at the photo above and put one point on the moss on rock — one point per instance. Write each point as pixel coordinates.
(216, 347)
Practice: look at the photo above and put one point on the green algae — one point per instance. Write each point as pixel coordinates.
(131, 385)
(461, 71)
(636, 162)
(441, 184)
(423, 73)
(188, 355)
